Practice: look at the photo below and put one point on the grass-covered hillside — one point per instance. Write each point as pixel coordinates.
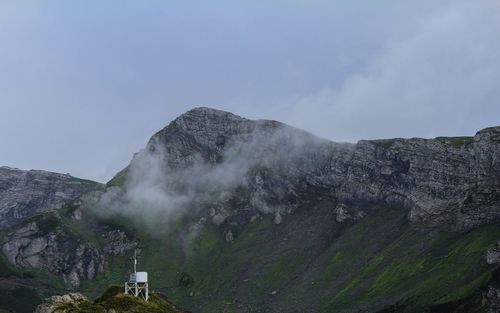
(307, 263)
(310, 264)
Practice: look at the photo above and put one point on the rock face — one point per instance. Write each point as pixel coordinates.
(344, 213)
(26, 193)
(493, 254)
(116, 242)
(54, 249)
(265, 167)
(492, 297)
(54, 303)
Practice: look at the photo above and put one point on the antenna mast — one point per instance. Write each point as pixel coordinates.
(137, 285)
(135, 260)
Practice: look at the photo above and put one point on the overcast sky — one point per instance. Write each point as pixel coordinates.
(84, 84)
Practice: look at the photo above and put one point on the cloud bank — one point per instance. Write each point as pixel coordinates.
(156, 194)
(441, 80)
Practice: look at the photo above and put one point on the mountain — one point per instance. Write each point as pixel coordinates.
(27, 193)
(438, 180)
(240, 215)
(27, 196)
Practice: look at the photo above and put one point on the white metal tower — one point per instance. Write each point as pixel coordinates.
(137, 284)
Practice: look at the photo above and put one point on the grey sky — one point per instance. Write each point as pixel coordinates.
(84, 84)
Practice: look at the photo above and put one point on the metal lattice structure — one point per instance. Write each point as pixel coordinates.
(137, 284)
(137, 289)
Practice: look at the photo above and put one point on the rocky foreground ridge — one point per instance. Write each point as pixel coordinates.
(112, 301)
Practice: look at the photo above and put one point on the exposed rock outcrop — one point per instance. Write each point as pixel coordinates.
(229, 236)
(26, 193)
(493, 254)
(344, 213)
(54, 249)
(492, 298)
(117, 242)
(55, 304)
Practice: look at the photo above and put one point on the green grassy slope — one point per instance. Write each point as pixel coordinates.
(419, 270)
(309, 263)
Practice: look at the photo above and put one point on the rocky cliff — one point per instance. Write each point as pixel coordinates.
(27, 193)
(55, 243)
(443, 181)
(53, 249)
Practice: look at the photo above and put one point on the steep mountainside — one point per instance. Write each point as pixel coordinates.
(28, 198)
(450, 181)
(237, 215)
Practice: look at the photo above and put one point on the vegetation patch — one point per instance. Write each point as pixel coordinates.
(119, 179)
(19, 299)
(47, 223)
(423, 269)
(456, 142)
(383, 143)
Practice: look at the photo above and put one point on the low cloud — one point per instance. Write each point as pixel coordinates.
(156, 193)
(440, 80)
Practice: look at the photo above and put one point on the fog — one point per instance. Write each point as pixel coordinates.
(160, 187)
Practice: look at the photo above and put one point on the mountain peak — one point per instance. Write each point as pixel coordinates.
(208, 111)
(203, 116)
(207, 126)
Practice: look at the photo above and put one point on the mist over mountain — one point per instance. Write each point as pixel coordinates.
(257, 216)
(210, 152)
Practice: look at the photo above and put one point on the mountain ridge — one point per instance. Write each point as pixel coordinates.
(204, 132)
(24, 193)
